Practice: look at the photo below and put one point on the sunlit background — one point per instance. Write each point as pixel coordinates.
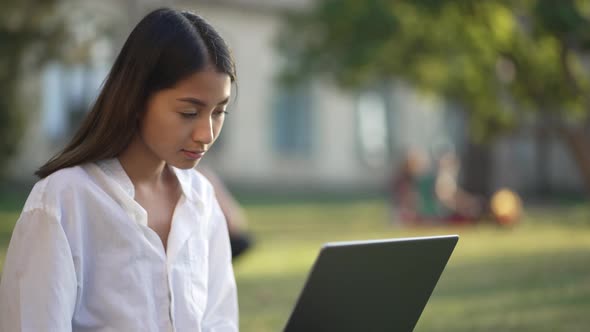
(332, 98)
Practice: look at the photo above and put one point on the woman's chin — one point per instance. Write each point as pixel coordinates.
(184, 164)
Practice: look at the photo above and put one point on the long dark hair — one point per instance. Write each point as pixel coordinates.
(165, 47)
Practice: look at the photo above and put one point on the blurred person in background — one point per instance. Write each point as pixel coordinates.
(461, 206)
(412, 188)
(428, 192)
(237, 224)
(458, 205)
(121, 233)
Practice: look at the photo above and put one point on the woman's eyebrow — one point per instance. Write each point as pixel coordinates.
(199, 102)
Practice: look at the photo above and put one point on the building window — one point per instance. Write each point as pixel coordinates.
(372, 128)
(292, 121)
(67, 95)
(54, 116)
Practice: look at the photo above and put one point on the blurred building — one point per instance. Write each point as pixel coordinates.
(311, 137)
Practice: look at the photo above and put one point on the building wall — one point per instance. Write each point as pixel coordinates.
(248, 152)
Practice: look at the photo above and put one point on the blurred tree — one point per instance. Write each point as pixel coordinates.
(498, 60)
(33, 33)
(30, 33)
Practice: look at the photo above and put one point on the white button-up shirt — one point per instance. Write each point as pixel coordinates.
(82, 258)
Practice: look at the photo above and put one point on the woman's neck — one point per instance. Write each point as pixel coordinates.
(141, 165)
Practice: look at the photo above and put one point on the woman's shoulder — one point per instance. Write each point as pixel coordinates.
(49, 189)
(69, 177)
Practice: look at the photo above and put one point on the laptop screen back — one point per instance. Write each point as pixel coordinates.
(380, 285)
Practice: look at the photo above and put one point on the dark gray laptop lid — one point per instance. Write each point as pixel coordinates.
(379, 285)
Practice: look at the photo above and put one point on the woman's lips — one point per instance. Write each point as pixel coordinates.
(193, 154)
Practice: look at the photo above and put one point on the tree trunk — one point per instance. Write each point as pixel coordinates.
(477, 169)
(578, 141)
(542, 141)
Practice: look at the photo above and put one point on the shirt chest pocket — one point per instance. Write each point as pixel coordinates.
(198, 276)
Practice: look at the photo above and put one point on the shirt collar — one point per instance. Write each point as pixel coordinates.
(113, 168)
(186, 183)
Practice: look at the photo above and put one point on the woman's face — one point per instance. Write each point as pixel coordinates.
(181, 123)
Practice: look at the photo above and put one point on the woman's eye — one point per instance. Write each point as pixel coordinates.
(219, 113)
(188, 114)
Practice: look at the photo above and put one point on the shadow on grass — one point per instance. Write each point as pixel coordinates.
(544, 291)
(551, 269)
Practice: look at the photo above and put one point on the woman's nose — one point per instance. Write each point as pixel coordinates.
(203, 131)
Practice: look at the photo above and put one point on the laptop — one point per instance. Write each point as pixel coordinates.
(366, 286)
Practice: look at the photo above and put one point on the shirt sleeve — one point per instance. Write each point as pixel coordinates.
(38, 287)
(221, 314)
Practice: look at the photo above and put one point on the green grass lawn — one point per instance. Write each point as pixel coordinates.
(532, 277)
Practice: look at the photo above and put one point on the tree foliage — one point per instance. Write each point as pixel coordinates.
(30, 33)
(497, 59)
(33, 33)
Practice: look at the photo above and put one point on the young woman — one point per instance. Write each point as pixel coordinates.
(121, 233)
